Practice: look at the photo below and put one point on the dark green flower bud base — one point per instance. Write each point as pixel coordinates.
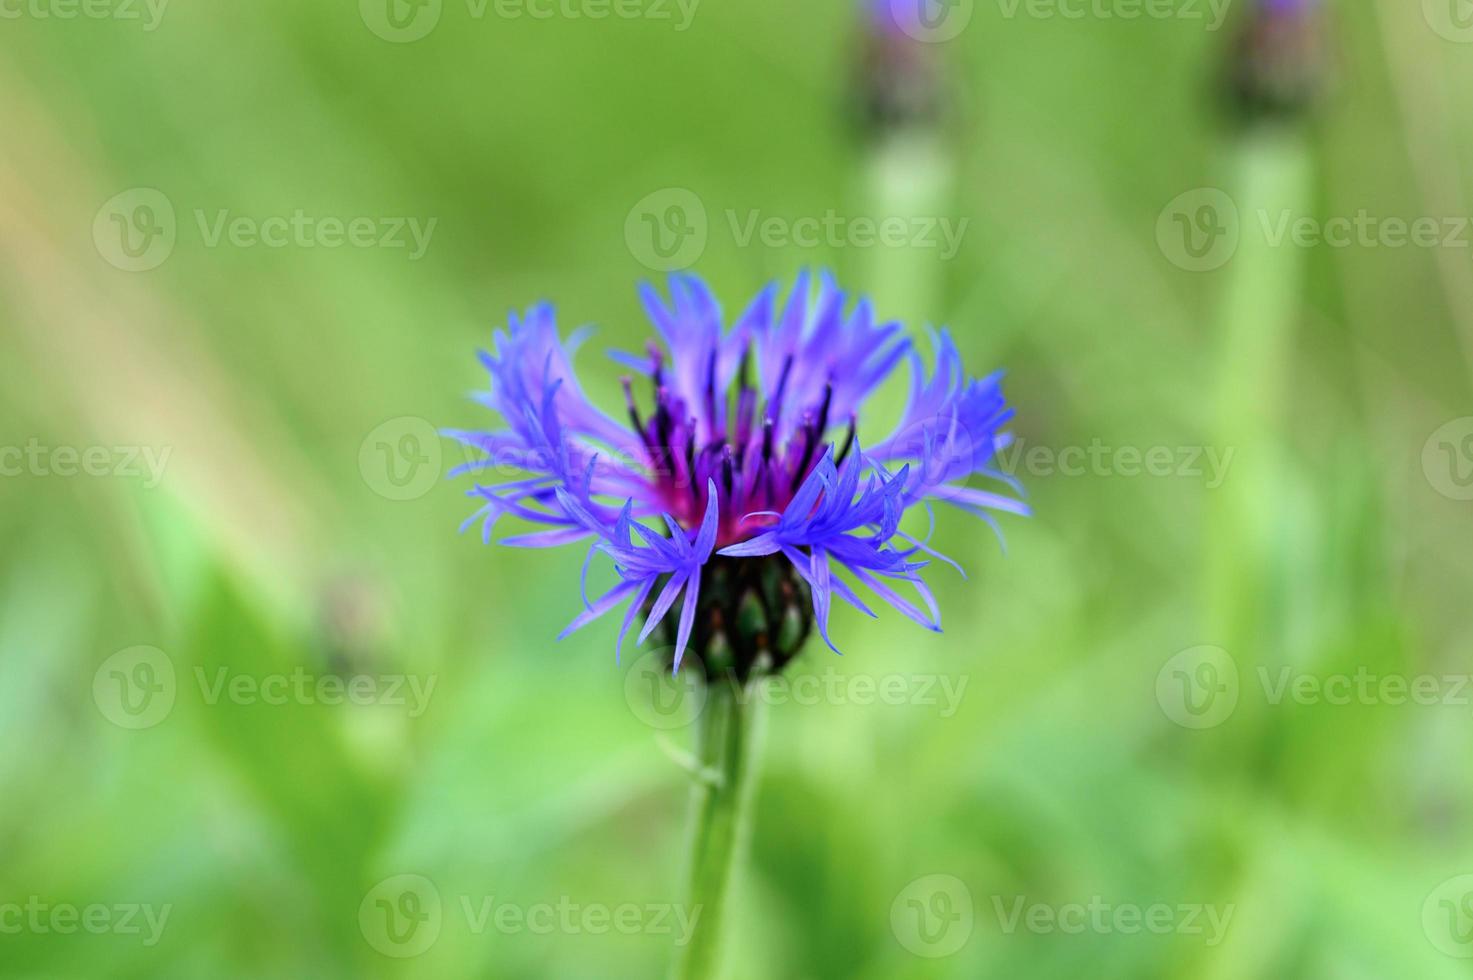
(748, 609)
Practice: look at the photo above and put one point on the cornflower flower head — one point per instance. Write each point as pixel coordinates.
(1280, 61)
(739, 488)
(899, 83)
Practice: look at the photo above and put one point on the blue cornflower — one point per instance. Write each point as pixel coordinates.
(745, 494)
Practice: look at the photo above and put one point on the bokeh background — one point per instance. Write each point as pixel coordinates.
(1116, 741)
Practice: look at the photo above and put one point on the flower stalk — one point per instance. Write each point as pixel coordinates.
(729, 746)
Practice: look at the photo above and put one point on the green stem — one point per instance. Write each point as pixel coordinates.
(1257, 321)
(729, 744)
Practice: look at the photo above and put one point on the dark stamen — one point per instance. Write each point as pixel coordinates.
(739, 417)
(645, 437)
(711, 393)
(634, 418)
(848, 441)
(775, 405)
(823, 412)
(811, 436)
(726, 471)
(662, 422)
(690, 463)
(658, 374)
(765, 466)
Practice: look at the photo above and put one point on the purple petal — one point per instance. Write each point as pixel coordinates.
(663, 604)
(687, 616)
(606, 602)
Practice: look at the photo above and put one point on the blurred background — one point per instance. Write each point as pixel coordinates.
(267, 714)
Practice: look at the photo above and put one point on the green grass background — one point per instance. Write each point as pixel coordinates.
(1060, 777)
